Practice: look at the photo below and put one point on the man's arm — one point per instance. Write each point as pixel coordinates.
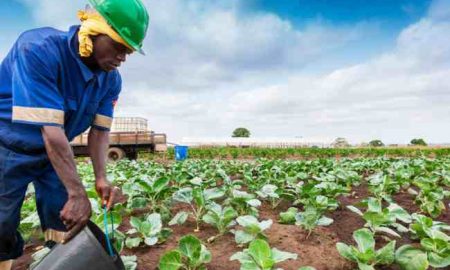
(77, 210)
(98, 143)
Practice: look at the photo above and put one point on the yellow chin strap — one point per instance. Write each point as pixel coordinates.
(93, 24)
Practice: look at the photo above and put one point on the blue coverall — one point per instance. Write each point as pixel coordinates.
(44, 82)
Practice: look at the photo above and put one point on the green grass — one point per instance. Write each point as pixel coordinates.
(300, 153)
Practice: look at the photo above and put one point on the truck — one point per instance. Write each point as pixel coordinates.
(128, 136)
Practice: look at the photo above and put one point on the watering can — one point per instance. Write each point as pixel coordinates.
(87, 250)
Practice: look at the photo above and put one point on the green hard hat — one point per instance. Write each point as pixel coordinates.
(129, 18)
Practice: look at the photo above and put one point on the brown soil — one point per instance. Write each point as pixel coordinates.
(318, 250)
(345, 221)
(406, 200)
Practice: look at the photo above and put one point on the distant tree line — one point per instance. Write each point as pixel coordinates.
(340, 142)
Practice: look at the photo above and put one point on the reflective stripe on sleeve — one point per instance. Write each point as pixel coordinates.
(54, 235)
(38, 115)
(103, 121)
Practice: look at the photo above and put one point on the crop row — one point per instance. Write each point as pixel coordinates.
(228, 194)
(304, 153)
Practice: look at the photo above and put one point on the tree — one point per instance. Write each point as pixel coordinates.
(341, 143)
(376, 143)
(241, 133)
(418, 141)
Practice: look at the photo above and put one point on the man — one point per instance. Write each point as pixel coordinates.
(53, 86)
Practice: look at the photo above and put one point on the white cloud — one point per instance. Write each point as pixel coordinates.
(206, 47)
(396, 96)
(201, 45)
(60, 14)
(210, 69)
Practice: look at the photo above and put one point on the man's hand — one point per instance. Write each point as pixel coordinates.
(107, 192)
(75, 215)
(98, 142)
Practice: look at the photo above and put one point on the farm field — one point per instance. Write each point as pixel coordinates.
(206, 152)
(278, 213)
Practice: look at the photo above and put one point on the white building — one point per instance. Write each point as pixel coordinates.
(259, 142)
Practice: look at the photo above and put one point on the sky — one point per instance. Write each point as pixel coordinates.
(359, 69)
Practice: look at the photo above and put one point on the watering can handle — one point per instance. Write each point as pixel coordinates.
(105, 221)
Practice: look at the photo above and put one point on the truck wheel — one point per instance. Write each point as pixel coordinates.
(115, 154)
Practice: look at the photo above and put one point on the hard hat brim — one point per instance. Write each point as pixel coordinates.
(141, 51)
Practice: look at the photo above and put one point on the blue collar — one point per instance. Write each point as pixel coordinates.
(88, 74)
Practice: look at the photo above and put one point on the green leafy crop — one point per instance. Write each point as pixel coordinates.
(259, 256)
(198, 199)
(221, 218)
(364, 254)
(380, 219)
(310, 218)
(149, 231)
(191, 254)
(251, 229)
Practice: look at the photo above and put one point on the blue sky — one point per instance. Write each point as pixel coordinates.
(389, 17)
(16, 14)
(396, 13)
(360, 69)
(15, 18)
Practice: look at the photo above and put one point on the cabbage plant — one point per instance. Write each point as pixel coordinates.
(259, 256)
(191, 254)
(423, 226)
(364, 254)
(148, 231)
(380, 219)
(243, 202)
(221, 218)
(288, 217)
(251, 229)
(310, 218)
(198, 199)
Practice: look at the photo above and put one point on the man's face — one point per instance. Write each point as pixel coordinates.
(108, 53)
